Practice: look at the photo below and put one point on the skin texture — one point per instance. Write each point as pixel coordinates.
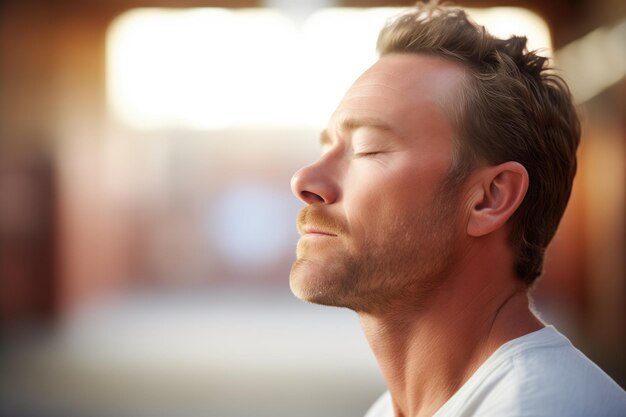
(426, 266)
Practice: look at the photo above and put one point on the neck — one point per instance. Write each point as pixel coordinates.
(428, 353)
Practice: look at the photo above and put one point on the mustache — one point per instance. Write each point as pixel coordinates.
(315, 216)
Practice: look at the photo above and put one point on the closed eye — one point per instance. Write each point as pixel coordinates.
(366, 154)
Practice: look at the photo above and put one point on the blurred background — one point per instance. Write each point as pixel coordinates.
(146, 223)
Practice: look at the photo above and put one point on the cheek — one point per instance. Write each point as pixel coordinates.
(367, 202)
(376, 197)
(379, 195)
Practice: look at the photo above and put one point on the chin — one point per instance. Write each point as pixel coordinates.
(304, 281)
(317, 285)
(329, 288)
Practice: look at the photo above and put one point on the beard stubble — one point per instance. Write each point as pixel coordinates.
(403, 262)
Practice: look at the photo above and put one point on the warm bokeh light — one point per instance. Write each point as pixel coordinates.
(201, 68)
(212, 68)
(594, 62)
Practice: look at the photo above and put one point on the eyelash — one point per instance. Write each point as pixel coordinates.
(365, 154)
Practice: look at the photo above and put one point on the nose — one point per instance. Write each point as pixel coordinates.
(315, 184)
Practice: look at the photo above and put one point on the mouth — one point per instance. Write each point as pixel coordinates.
(315, 231)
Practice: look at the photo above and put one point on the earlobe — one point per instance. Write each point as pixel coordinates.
(499, 192)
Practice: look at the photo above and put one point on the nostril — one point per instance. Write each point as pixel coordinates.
(310, 197)
(315, 183)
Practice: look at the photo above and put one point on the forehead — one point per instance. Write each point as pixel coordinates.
(405, 91)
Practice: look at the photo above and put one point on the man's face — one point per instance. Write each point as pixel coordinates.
(379, 227)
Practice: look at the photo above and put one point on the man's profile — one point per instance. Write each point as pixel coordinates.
(444, 173)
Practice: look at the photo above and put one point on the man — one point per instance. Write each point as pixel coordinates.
(443, 176)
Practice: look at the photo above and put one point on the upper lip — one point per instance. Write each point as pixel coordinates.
(315, 230)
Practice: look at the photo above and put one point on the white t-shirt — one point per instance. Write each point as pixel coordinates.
(537, 375)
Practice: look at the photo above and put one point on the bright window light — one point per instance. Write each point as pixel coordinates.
(200, 68)
(212, 68)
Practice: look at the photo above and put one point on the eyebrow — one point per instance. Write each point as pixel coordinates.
(351, 124)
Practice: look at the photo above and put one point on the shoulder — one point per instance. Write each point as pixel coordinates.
(538, 375)
(546, 376)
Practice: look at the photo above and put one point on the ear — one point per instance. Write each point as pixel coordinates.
(498, 193)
